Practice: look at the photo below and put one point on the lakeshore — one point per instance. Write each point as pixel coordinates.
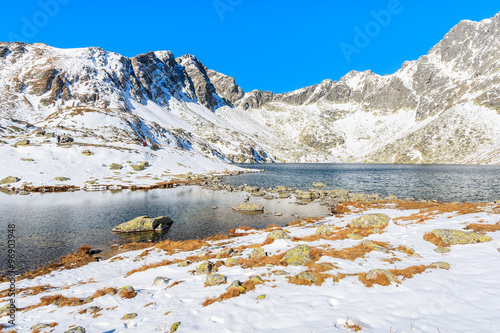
(342, 276)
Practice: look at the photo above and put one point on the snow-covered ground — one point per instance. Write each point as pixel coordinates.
(40, 162)
(461, 299)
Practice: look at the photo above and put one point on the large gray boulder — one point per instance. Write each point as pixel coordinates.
(144, 223)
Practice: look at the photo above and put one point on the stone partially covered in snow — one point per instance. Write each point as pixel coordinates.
(370, 221)
(161, 281)
(204, 268)
(374, 273)
(440, 264)
(144, 223)
(454, 237)
(215, 279)
(297, 256)
(278, 234)
(257, 253)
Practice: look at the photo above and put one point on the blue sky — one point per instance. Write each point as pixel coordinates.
(266, 45)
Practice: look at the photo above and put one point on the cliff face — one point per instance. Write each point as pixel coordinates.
(442, 108)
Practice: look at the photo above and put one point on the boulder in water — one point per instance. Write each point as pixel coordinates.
(144, 223)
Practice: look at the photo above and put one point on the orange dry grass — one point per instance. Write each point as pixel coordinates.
(233, 232)
(483, 227)
(74, 260)
(105, 291)
(352, 253)
(184, 246)
(337, 235)
(382, 280)
(174, 284)
(355, 327)
(235, 292)
(301, 282)
(430, 237)
(148, 266)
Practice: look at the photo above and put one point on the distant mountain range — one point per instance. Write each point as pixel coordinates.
(442, 108)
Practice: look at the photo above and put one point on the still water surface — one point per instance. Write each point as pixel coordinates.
(51, 225)
(463, 183)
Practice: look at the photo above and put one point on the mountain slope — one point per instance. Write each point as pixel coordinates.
(442, 108)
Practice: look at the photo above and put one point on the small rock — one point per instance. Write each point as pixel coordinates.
(440, 264)
(236, 284)
(9, 180)
(66, 139)
(144, 223)
(115, 166)
(354, 236)
(374, 273)
(77, 329)
(174, 327)
(92, 309)
(323, 230)
(454, 237)
(61, 179)
(370, 220)
(204, 268)
(214, 207)
(232, 261)
(442, 250)
(87, 152)
(127, 292)
(39, 326)
(144, 164)
(215, 279)
(247, 207)
(261, 296)
(278, 214)
(224, 253)
(257, 279)
(129, 316)
(374, 246)
(257, 253)
(281, 272)
(38, 131)
(308, 276)
(184, 263)
(161, 281)
(297, 256)
(278, 234)
(23, 142)
(318, 184)
(137, 167)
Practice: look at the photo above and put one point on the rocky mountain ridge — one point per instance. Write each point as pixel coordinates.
(442, 108)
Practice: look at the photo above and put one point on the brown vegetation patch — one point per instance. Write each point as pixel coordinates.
(231, 293)
(430, 237)
(181, 246)
(267, 260)
(174, 284)
(233, 232)
(408, 272)
(308, 220)
(354, 252)
(74, 260)
(382, 280)
(149, 266)
(483, 227)
(301, 282)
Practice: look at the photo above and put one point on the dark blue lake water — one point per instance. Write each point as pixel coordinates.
(463, 183)
(51, 225)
